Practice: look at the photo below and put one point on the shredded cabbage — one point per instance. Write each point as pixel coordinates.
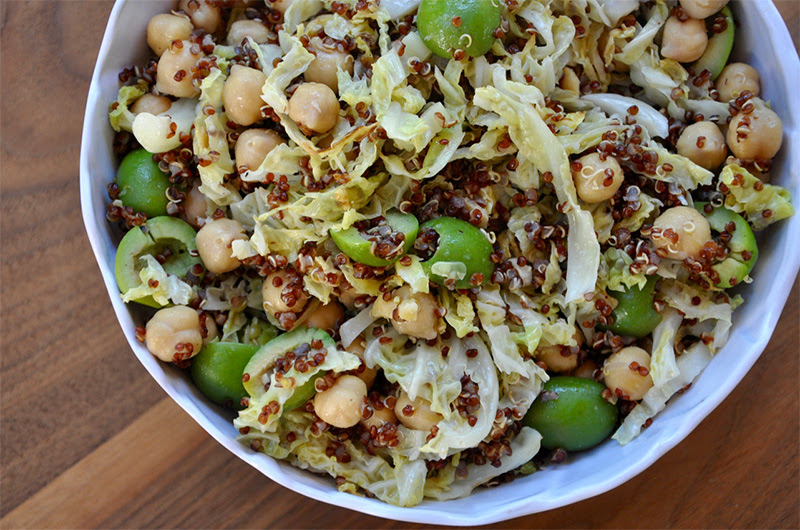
(164, 288)
(742, 196)
(155, 132)
(485, 139)
(655, 123)
(211, 143)
(522, 377)
(694, 302)
(662, 361)
(414, 275)
(120, 117)
(689, 365)
(460, 312)
(537, 143)
(523, 448)
(616, 273)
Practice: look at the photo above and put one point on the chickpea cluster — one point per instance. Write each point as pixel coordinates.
(314, 104)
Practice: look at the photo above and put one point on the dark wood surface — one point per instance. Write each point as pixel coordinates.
(89, 440)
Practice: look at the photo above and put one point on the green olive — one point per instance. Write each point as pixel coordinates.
(743, 248)
(264, 359)
(571, 414)
(398, 229)
(158, 235)
(304, 392)
(464, 246)
(718, 48)
(217, 372)
(635, 315)
(142, 185)
(449, 25)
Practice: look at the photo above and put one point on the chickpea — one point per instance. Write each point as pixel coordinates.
(241, 94)
(554, 356)
(283, 292)
(253, 146)
(195, 206)
(680, 232)
(597, 180)
(755, 136)
(203, 14)
(173, 334)
(585, 370)
(379, 418)
(151, 104)
(326, 317)
(163, 29)
(684, 41)
(348, 295)
(704, 144)
(214, 244)
(414, 315)
(415, 414)
(570, 81)
(623, 376)
(211, 331)
(341, 404)
(241, 29)
(174, 76)
(314, 107)
(325, 66)
(357, 348)
(735, 79)
(702, 8)
(280, 5)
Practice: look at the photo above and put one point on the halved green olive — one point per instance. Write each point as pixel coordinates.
(718, 49)
(460, 246)
(743, 247)
(142, 185)
(378, 242)
(449, 25)
(304, 392)
(263, 361)
(635, 315)
(217, 372)
(166, 236)
(571, 414)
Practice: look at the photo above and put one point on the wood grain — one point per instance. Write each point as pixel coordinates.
(87, 439)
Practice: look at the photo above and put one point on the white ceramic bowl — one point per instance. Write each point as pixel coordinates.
(762, 41)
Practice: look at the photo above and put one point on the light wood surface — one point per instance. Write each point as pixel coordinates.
(87, 439)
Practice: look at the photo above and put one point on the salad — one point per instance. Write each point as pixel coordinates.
(426, 246)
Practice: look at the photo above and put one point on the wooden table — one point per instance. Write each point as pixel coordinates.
(89, 440)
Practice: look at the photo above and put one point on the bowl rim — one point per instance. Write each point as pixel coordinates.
(789, 64)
